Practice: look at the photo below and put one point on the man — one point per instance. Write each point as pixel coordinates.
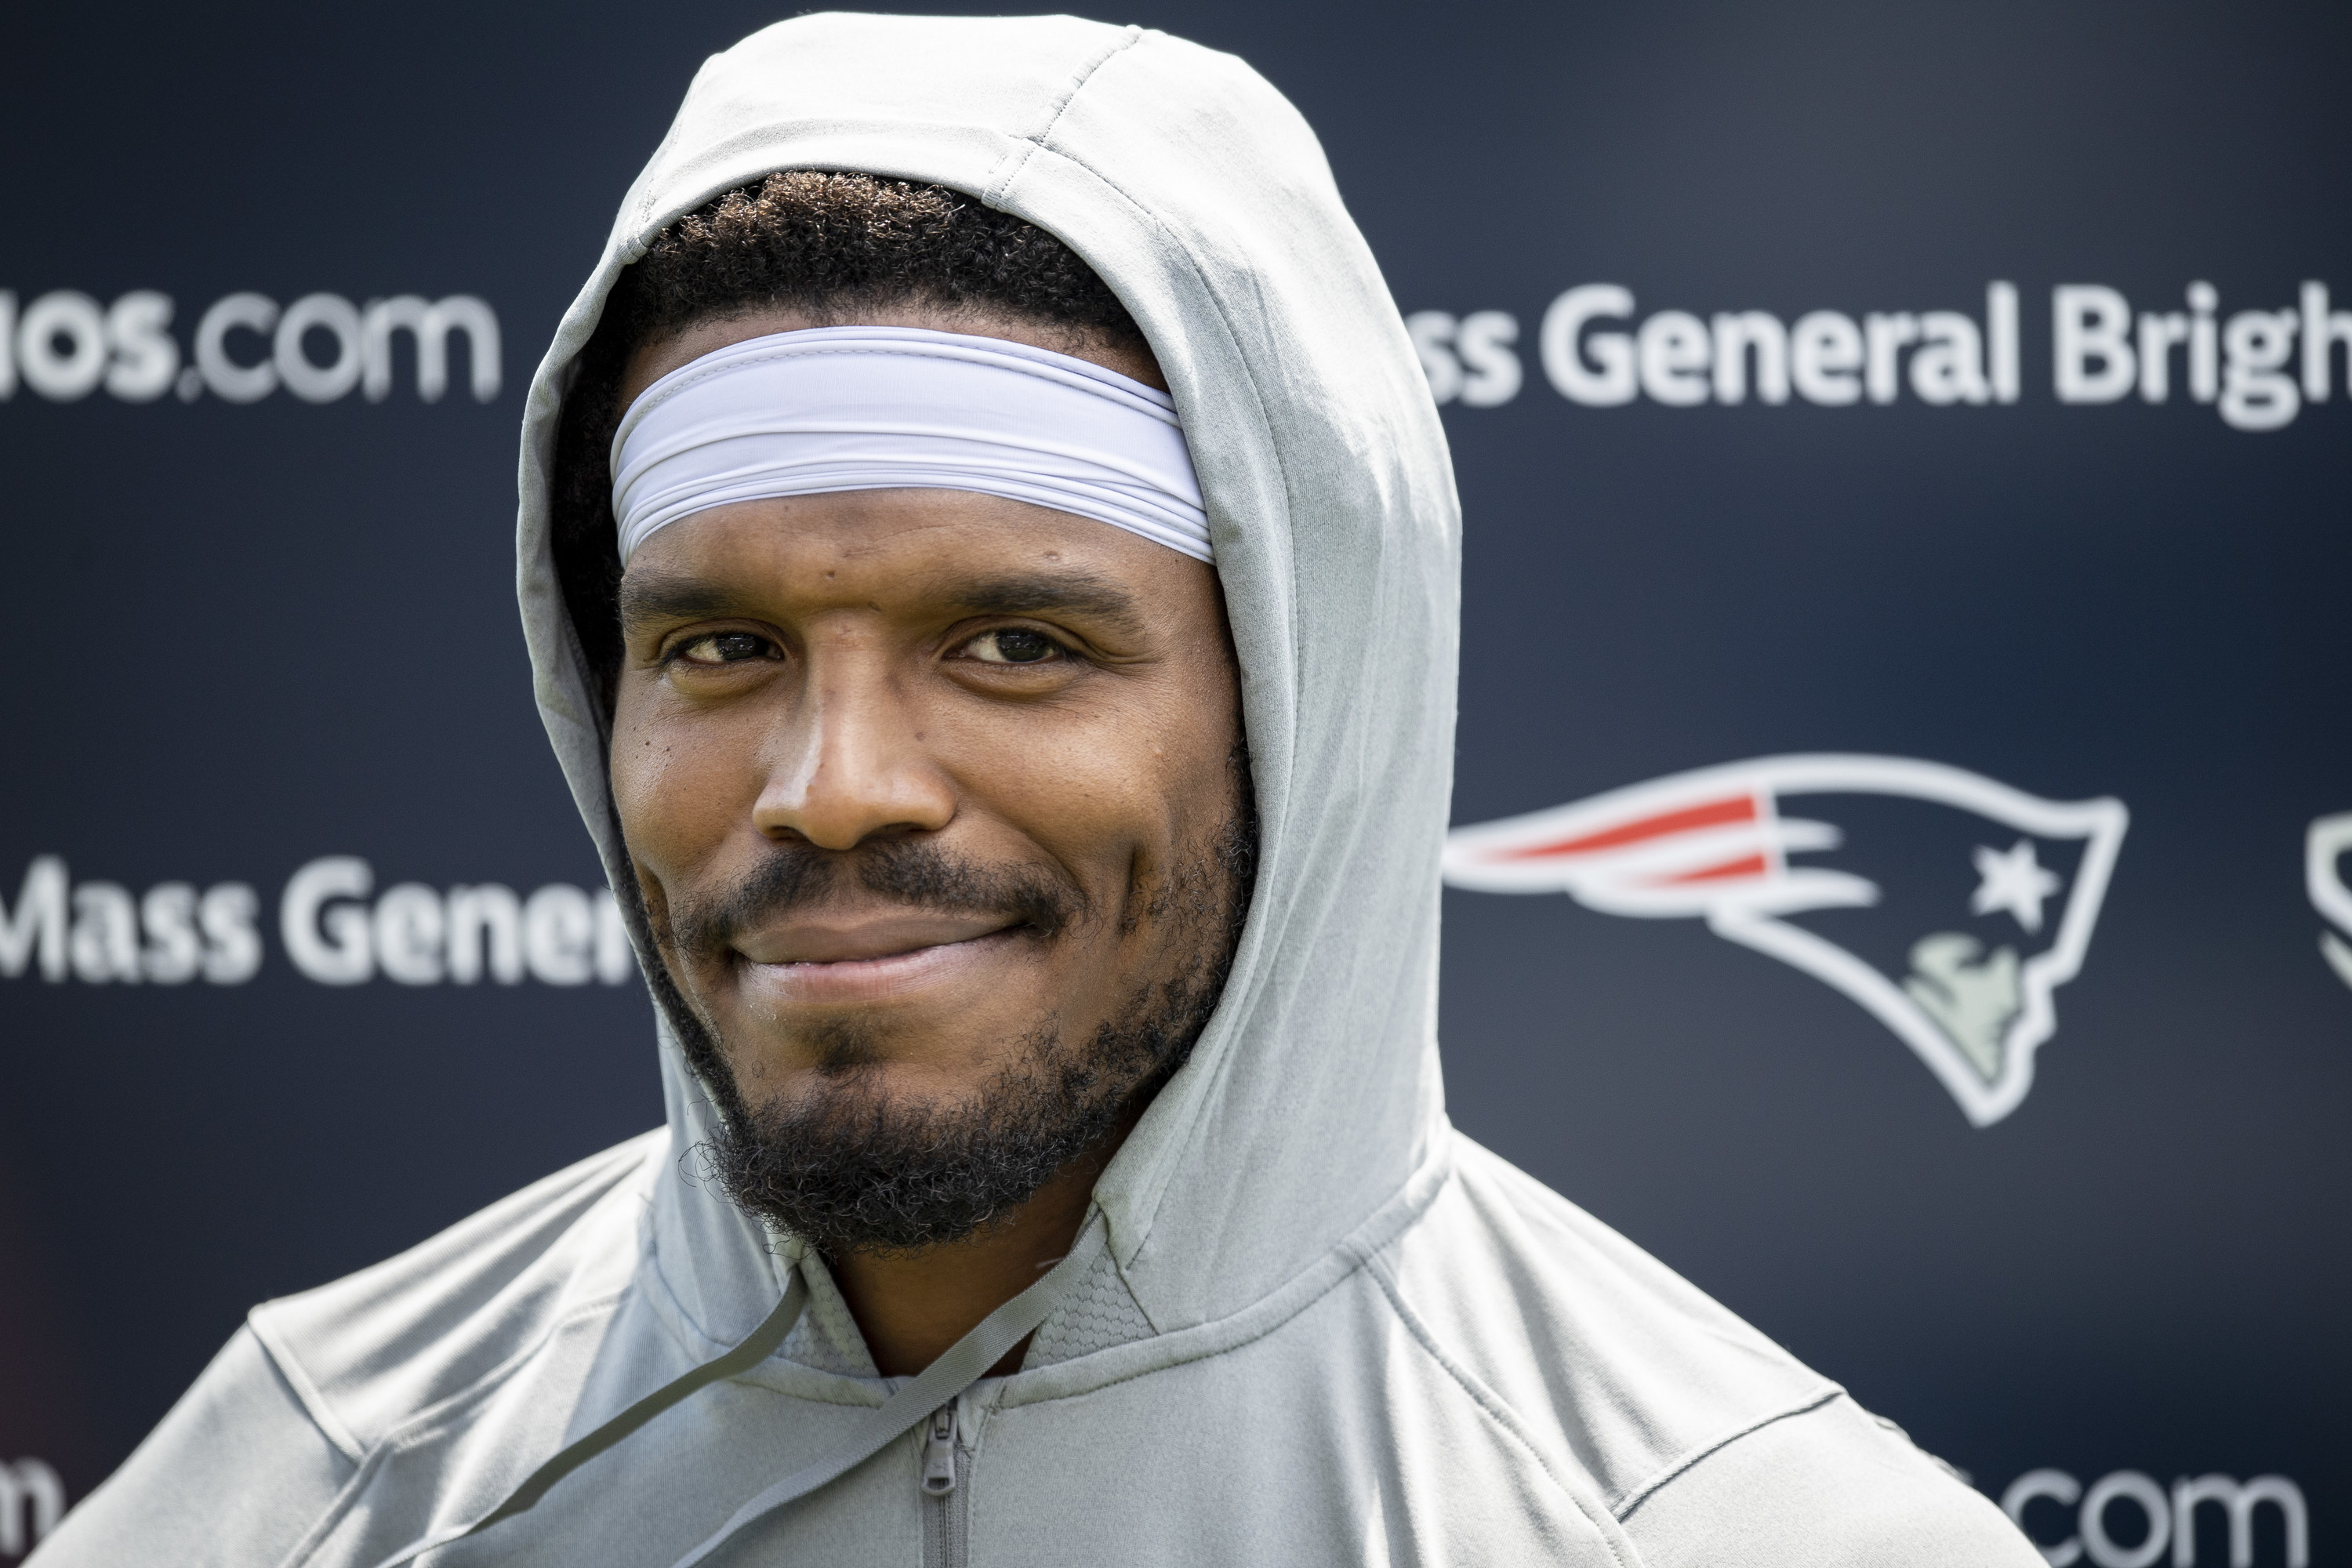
(989, 564)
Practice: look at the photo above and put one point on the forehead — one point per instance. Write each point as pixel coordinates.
(903, 551)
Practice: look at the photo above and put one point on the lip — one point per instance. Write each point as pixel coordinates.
(851, 981)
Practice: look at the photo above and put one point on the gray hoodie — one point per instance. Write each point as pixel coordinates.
(1308, 1321)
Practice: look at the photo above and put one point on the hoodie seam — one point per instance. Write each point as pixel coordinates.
(1128, 39)
(306, 1390)
(670, 1310)
(1636, 1496)
(1209, 292)
(425, 1424)
(1202, 1341)
(263, 1322)
(1134, 1295)
(1209, 1352)
(1034, 143)
(1125, 1247)
(1504, 1418)
(637, 240)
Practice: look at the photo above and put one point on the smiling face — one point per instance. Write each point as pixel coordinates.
(935, 804)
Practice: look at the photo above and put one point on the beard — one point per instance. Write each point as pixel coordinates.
(852, 1168)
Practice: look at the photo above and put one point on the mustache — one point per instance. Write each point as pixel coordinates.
(909, 871)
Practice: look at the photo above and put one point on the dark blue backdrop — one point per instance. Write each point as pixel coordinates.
(249, 635)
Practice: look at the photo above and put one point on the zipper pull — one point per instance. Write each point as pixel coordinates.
(939, 1452)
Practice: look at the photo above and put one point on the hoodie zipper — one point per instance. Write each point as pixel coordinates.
(946, 1491)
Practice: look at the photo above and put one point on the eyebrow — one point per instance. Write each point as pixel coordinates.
(657, 596)
(1078, 593)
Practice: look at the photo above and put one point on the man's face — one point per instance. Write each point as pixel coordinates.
(934, 803)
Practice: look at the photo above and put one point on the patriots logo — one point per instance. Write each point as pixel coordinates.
(2329, 841)
(1948, 904)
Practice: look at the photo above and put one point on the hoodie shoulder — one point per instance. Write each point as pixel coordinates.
(264, 1442)
(1833, 1487)
(1619, 1372)
(234, 1475)
(370, 1349)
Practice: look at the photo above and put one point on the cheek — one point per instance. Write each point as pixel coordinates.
(1109, 790)
(673, 787)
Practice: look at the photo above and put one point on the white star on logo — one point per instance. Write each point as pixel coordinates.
(2014, 881)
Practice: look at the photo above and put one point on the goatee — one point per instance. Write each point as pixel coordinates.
(853, 1169)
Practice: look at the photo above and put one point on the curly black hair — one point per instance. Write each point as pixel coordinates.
(830, 245)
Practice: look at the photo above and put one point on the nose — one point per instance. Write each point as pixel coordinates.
(850, 764)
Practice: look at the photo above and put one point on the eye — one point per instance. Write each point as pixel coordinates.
(1013, 645)
(725, 647)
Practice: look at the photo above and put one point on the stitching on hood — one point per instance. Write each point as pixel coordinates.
(669, 1305)
(1128, 39)
(1032, 143)
(636, 244)
(1126, 1249)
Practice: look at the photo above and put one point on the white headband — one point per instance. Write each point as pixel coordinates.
(864, 408)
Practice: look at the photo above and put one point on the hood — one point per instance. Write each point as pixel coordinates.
(1200, 196)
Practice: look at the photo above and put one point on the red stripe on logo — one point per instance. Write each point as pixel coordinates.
(1745, 866)
(1714, 814)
